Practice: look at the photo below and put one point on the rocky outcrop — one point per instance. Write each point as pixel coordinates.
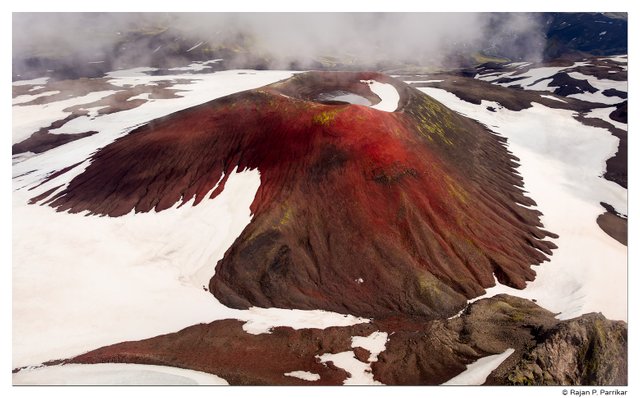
(359, 211)
(42, 141)
(585, 350)
(589, 350)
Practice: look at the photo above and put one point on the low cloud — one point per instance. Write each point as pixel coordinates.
(430, 39)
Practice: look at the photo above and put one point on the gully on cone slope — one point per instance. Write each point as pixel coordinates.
(359, 211)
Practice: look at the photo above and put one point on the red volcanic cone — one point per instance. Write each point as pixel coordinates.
(359, 211)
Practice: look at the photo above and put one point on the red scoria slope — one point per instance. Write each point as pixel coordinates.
(359, 211)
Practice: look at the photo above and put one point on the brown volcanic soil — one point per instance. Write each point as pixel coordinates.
(613, 223)
(422, 203)
(224, 349)
(585, 350)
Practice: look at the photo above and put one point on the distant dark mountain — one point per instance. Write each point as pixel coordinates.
(579, 33)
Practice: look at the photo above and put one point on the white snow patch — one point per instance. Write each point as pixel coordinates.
(39, 80)
(476, 373)
(562, 162)
(28, 119)
(198, 44)
(360, 372)
(619, 58)
(603, 114)
(375, 343)
(520, 65)
(359, 281)
(304, 375)
(114, 374)
(602, 33)
(142, 96)
(553, 98)
(388, 94)
(262, 320)
(21, 99)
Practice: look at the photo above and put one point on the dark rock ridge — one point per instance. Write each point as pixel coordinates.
(42, 141)
(359, 211)
(589, 350)
(613, 223)
(620, 114)
(585, 33)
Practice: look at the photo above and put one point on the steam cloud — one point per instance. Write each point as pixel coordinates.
(365, 38)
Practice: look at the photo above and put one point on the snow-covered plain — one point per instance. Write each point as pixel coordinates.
(114, 373)
(562, 163)
(83, 282)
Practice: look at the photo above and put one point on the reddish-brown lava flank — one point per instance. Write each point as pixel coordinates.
(422, 205)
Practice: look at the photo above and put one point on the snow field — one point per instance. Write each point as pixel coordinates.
(114, 374)
(84, 282)
(562, 163)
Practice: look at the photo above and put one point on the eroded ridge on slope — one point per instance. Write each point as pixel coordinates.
(359, 211)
